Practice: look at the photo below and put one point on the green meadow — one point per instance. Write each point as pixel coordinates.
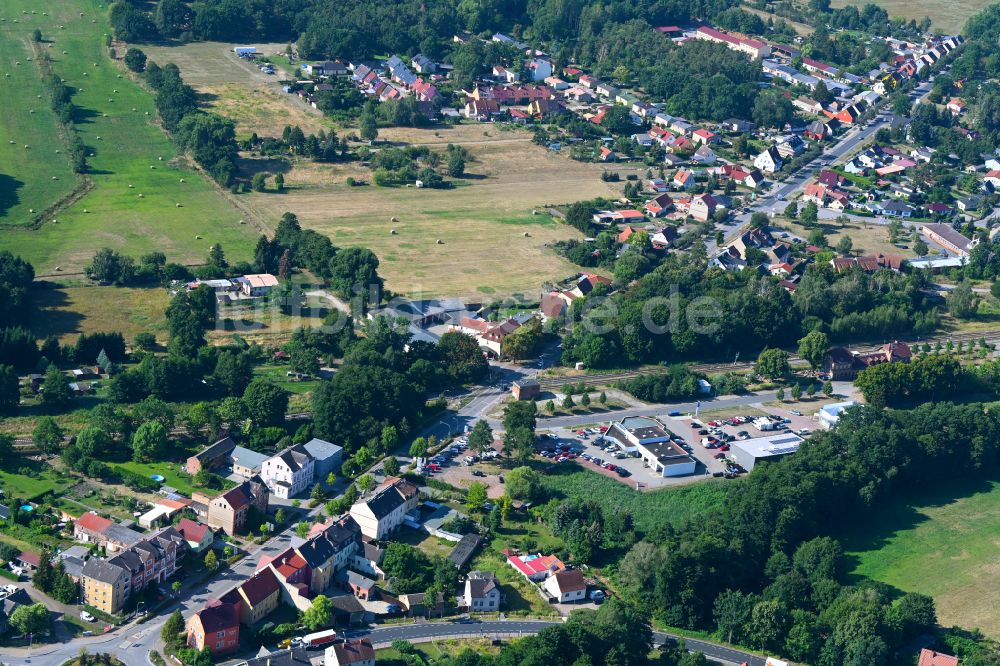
(144, 195)
(946, 546)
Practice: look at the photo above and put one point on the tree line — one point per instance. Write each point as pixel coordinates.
(648, 320)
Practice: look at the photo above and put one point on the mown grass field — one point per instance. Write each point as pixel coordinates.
(947, 547)
(27, 120)
(492, 244)
(674, 506)
(947, 15)
(132, 156)
(69, 311)
(42, 479)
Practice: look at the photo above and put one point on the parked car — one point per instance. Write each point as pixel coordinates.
(478, 473)
(719, 456)
(795, 412)
(87, 617)
(621, 471)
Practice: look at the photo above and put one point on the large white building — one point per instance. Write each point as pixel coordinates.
(749, 452)
(288, 473)
(648, 438)
(386, 510)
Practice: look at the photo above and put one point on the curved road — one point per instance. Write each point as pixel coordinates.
(423, 631)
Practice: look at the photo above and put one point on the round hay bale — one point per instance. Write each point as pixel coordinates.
(178, 205)
(160, 158)
(31, 111)
(141, 196)
(58, 151)
(98, 138)
(440, 242)
(151, 166)
(197, 237)
(31, 210)
(11, 141)
(527, 235)
(131, 186)
(59, 269)
(26, 146)
(393, 232)
(182, 180)
(55, 177)
(393, 219)
(86, 210)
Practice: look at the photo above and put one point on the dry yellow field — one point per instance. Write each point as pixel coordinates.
(239, 91)
(492, 243)
(946, 15)
(69, 311)
(868, 238)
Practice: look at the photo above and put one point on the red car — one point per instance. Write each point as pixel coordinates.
(714, 424)
(724, 447)
(603, 429)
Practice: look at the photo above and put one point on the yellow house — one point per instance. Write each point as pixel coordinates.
(105, 585)
(257, 597)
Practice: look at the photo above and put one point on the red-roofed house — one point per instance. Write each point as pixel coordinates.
(956, 106)
(198, 536)
(89, 528)
(659, 205)
(536, 567)
(814, 192)
(752, 47)
(993, 178)
(215, 627)
(29, 559)
(683, 179)
(932, 658)
(257, 597)
(626, 233)
(607, 155)
(567, 586)
(702, 207)
(229, 511)
(586, 283)
(705, 136)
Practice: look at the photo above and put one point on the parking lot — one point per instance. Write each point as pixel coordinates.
(707, 439)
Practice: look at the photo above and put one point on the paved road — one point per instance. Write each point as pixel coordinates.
(776, 199)
(427, 630)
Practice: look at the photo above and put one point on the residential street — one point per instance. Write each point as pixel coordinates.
(777, 198)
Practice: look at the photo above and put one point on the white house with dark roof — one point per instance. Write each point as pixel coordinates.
(386, 510)
(289, 473)
(482, 592)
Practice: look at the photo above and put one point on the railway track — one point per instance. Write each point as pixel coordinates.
(596, 379)
(24, 444)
